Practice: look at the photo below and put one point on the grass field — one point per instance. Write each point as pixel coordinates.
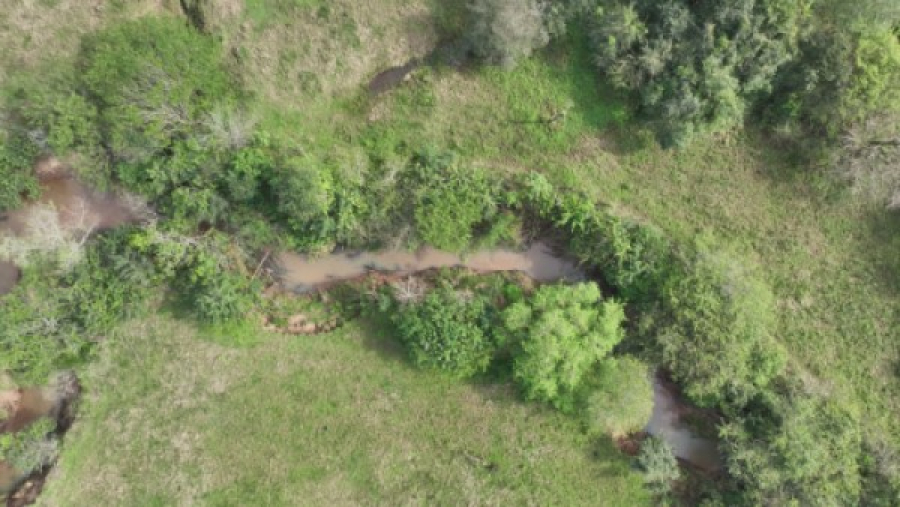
(336, 419)
(175, 419)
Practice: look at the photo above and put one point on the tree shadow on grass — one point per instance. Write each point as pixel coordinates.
(376, 336)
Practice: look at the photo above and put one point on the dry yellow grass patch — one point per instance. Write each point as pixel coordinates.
(32, 31)
(305, 51)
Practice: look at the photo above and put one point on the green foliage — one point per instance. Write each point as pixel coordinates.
(205, 271)
(695, 67)
(719, 343)
(841, 77)
(447, 331)
(632, 257)
(659, 465)
(16, 175)
(153, 81)
(811, 457)
(106, 287)
(561, 332)
(40, 334)
(621, 400)
(503, 32)
(31, 448)
(305, 193)
(449, 200)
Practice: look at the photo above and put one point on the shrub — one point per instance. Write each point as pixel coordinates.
(16, 177)
(38, 335)
(449, 200)
(561, 332)
(101, 292)
(31, 448)
(304, 193)
(632, 257)
(840, 79)
(446, 331)
(659, 465)
(809, 454)
(719, 342)
(207, 272)
(621, 400)
(503, 32)
(694, 66)
(222, 297)
(153, 80)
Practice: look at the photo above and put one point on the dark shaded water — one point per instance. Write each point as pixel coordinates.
(668, 423)
(390, 78)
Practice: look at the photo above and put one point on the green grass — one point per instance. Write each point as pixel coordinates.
(832, 262)
(339, 419)
(267, 12)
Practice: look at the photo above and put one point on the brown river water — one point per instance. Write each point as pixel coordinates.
(301, 273)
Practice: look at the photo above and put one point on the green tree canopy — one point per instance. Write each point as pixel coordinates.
(719, 343)
(446, 331)
(621, 401)
(562, 332)
(695, 66)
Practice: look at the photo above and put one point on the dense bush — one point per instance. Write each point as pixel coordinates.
(305, 191)
(153, 81)
(150, 105)
(695, 66)
(447, 331)
(39, 334)
(631, 257)
(16, 175)
(809, 455)
(719, 342)
(841, 76)
(449, 200)
(106, 287)
(561, 332)
(205, 271)
(503, 32)
(621, 399)
(659, 465)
